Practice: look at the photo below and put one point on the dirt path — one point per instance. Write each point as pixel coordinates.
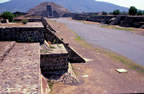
(123, 42)
(99, 70)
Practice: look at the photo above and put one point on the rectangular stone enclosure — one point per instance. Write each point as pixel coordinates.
(54, 60)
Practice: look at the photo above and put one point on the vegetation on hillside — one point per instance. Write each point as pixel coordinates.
(7, 15)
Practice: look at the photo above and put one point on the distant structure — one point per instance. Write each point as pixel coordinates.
(49, 11)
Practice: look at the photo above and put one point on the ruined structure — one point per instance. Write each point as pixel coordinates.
(48, 9)
(29, 56)
(122, 20)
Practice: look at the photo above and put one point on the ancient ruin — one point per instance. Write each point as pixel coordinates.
(31, 54)
(48, 9)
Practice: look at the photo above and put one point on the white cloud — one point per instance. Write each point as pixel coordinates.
(127, 3)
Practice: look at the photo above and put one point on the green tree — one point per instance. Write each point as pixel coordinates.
(116, 12)
(7, 15)
(132, 10)
(140, 12)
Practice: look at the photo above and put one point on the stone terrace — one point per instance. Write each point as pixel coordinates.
(54, 58)
(20, 69)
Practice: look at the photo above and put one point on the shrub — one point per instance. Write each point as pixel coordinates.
(7, 15)
(116, 12)
(132, 10)
(24, 21)
(140, 12)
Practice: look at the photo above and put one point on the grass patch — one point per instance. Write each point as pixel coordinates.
(50, 83)
(118, 28)
(78, 38)
(44, 51)
(52, 47)
(124, 60)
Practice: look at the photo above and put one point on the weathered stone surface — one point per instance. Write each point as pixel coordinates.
(20, 70)
(5, 48)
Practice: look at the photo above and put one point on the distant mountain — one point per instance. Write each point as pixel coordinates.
(55, 10)
(72, 5)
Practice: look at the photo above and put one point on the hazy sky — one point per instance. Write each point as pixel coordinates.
(126, 3)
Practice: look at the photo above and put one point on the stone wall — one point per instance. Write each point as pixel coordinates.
(22, 34)
(29, 19)
(101, 19)
(125, 21)
(132, 21)
(46, 25)
(73, 56)
(50, 36)
(51, 63)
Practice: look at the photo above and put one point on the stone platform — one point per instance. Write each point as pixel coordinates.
(54, 58)
(20, 70)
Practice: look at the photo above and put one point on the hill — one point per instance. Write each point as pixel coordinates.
(72, 5)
